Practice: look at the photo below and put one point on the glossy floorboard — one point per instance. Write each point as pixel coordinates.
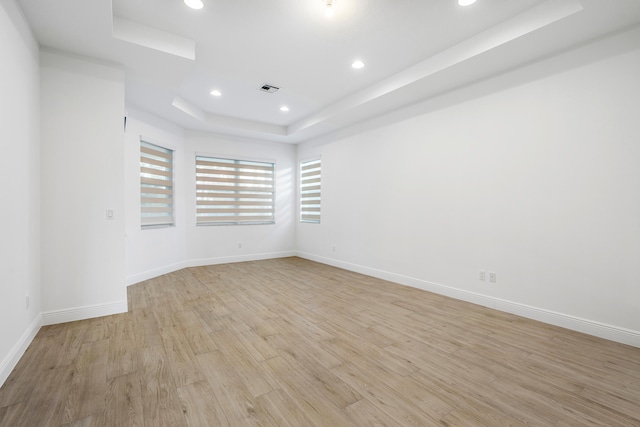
(290, 342)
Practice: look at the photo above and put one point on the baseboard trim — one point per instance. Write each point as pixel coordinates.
(150, 274)
(239, 258)
(82, 313)
(590, 327)
(12, 359)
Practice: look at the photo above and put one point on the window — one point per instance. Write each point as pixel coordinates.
(156, 185)
(234, 191)
(310, 199)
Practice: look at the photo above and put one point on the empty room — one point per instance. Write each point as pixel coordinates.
(320, 213)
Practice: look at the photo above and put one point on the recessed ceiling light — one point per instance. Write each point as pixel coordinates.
(328, 7)
(194, 4)
(216, 92)
(466, 2)
(357, 65)
(284, 108)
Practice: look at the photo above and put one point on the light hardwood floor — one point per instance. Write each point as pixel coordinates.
(289, 342)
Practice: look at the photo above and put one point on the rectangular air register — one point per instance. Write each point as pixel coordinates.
(269, 88)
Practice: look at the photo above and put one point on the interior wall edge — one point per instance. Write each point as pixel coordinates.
(578, 324)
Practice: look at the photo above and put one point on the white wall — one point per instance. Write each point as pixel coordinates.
(20, 177)
(83, 253)
(539, 183)
(156, 251)
(216, 244)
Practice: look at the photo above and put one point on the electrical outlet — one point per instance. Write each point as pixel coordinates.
(239, 245)
(27, 301)
(333, 248)
(482, 275)
(492, 276)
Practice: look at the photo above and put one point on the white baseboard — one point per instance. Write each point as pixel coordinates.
(82, 313)
(586, 326)
(52, 318)
(238, 258)
(150, 274)
(11, 360)
(591, 327)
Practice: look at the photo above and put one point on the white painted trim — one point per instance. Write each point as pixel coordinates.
(150, 274)
(575, 323)
(587, 326)
(82, 313)
(239, 258)
(16, 352)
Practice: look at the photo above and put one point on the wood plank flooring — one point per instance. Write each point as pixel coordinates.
(290, 342)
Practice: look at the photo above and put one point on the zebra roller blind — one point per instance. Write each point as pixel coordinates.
(230, 191)
(156, 185)
(310, 176)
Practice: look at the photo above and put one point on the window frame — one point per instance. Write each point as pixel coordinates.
(310, 192)
(244, 174)
(160, 183)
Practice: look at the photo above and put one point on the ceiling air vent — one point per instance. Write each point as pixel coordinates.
(269, 88)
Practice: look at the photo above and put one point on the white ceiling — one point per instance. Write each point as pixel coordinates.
(174, 56)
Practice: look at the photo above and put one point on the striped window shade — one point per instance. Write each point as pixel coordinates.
(156, 185)
(230, 192)
(310, 199)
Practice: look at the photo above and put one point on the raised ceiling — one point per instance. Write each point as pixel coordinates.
(173, 56)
